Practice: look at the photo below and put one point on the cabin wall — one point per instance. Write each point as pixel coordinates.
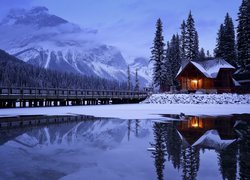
(192, 79)
(224, 79)
(194, 84)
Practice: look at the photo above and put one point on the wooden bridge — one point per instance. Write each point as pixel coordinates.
(39, 97)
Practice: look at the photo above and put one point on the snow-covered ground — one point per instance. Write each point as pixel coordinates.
(133, 111)
(198, 99)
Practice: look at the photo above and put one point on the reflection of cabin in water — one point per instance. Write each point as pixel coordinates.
(209, 75)
(195, 127)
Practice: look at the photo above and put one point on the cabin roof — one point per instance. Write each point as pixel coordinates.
(210, 68)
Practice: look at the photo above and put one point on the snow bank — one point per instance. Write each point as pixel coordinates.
(198, 99)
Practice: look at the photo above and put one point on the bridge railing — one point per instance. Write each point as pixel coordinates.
(25, 92)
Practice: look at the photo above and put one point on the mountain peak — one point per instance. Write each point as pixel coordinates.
(140, 62)
(37, 16)
(38, 10)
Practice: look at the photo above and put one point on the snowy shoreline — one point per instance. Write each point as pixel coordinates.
(226, 98)
(132, 111)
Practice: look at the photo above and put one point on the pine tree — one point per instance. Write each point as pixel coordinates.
(167, 67)
(129, 79)
(219, 50)
(243, 35)
(183, 41)
(191, 38)
(225, 46)
(208, 54)
(196, 45)
(137, 87)
(229, 37)
(173, 56)
(202, 55)
(158, 56)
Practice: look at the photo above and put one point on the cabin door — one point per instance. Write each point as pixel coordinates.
(193, 84)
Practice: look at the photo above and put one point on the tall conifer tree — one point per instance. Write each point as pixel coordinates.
(157, 56)
(183, 41)
(129, 79)
(137, 87)
(202, 55)
(243, 35)
(191, 38)
(219, 50)
(225, 46)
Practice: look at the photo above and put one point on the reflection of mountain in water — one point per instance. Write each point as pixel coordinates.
(181, 142)
(104, 133)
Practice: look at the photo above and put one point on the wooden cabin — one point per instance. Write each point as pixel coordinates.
(210, 76)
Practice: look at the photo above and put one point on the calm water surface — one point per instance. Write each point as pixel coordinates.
(188, 148)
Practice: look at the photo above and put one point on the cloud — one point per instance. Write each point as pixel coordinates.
(6, 5)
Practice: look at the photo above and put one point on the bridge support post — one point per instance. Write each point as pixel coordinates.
(14, 104)
(63, 103)
(35, 103)
(41, 103)
(46, 103)
(30, 103)
(22, 103)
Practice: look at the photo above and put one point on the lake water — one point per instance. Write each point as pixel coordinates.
(96, 148)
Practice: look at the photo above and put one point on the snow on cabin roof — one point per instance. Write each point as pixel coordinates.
(210, 68)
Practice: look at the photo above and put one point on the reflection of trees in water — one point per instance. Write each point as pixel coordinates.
(133, 126)
(129, 129)
(159, 153)
(190, 163)
(243, 130)
(137, 125)
(168, 143)
(227, 159)
(173, 144)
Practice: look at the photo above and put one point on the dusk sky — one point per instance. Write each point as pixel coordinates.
(130, 24)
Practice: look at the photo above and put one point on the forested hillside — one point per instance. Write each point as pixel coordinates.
(14, 72)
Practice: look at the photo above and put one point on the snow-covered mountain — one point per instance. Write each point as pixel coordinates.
(40, 38)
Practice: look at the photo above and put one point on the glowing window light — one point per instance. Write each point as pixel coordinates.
(195, 81)
(195, 125)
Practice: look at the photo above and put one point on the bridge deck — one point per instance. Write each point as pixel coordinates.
(49, 96)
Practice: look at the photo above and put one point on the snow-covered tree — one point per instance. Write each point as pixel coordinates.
(183, 41)
(191, 38)
(157, 56)
(167, 72)
(137, 87)
(129, 79)
(208, 54)
(202, 55)
(243, 35)
(196, 45)
(225, 46)
(173, 56)
(230, 46)
(219, 50)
